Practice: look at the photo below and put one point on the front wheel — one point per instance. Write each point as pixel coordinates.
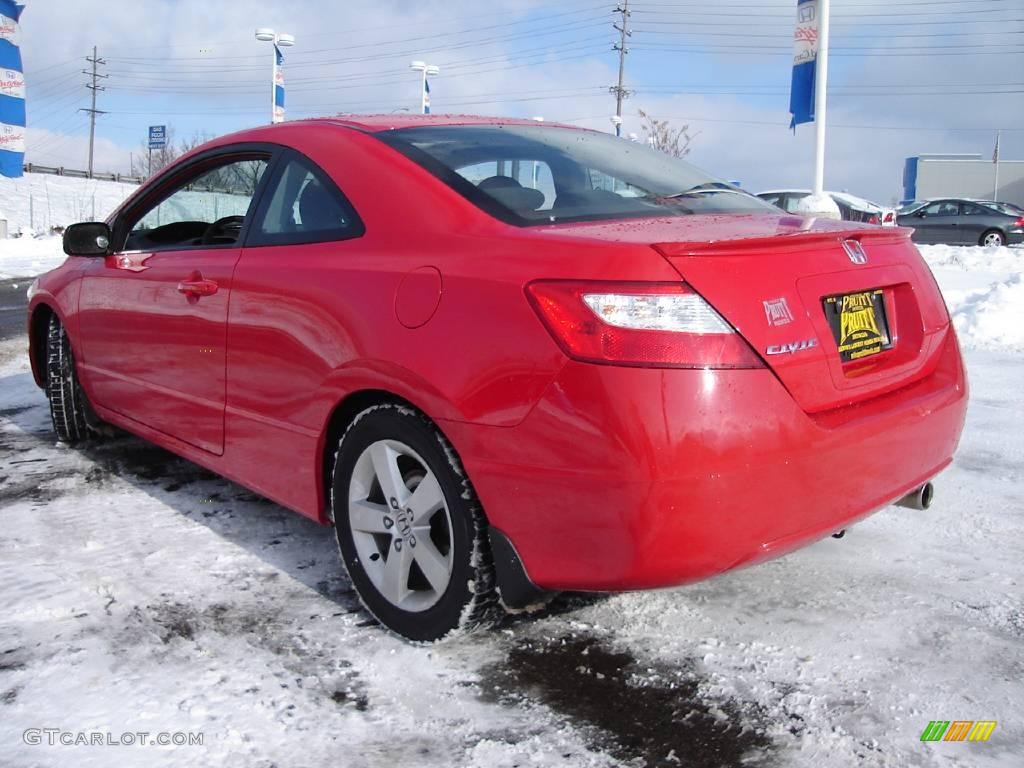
(992, 238)
(67, 402)
(410, 529)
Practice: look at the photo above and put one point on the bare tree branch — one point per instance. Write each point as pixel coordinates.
(661, 135)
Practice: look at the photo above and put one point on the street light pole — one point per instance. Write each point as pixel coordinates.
(283, 40)
(820, 97)
(426, 69)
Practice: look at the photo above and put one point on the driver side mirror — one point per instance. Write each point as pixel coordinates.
(89, 239)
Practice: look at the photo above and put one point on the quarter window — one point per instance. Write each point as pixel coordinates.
(304, 206)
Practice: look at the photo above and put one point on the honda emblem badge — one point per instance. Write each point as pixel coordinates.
(855, 251)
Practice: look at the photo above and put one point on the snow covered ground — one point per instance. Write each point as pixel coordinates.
(139, 593)
(36, 202)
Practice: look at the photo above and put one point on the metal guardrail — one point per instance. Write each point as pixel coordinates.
(77, 174)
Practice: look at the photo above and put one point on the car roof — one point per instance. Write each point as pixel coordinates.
(387, 122)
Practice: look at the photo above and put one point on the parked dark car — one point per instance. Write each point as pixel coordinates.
(963, 222)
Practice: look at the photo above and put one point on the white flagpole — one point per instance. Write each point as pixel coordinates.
(820, 87)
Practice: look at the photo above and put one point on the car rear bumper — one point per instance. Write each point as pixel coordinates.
(630, 478)
(1015, 237)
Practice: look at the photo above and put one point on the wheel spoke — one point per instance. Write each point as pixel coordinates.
(385, 466)
(367, 517)
(395, 579)
(432, 563)
(426, 499)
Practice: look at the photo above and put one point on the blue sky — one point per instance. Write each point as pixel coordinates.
(909, 77)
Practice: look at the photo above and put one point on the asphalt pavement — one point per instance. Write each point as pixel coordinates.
(13, 302)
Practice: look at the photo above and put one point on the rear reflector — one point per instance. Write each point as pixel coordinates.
(656, 325)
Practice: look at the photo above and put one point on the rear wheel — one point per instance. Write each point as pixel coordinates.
(992, 238)
(67, 402)
(410, 528)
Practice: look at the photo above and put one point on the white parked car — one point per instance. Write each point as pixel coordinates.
(851, 207)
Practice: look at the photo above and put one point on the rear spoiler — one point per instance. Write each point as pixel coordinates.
(790, 241)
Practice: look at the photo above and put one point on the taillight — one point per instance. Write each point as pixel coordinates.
(656, 325)
(1019, 222)
(889, 217)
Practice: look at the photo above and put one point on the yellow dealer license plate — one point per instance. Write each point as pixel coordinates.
(859, 324)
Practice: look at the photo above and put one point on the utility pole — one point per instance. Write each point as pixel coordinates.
(94, 86)
(620, 89)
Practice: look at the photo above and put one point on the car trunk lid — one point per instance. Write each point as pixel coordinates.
(840, 314)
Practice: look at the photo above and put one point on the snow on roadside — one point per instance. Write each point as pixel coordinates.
(984, 293)
(37, 202)
(993, 319)
(30, 256)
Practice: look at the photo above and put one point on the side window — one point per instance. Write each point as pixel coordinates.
(973, 210)
(942, 208)
(772, 199)
(207, 210)
(791, 199)
(304, 206)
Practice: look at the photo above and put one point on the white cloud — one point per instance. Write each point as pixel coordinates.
(347, 58)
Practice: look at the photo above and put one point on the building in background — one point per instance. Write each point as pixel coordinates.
(972, 176)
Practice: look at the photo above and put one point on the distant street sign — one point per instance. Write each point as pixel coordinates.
(157, 136)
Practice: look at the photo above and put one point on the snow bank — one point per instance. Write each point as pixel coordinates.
(993, 319)
(30, 256)
(37, 202)
(984, 291)
(973, 257)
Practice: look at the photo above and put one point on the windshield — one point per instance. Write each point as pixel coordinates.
(527, 174)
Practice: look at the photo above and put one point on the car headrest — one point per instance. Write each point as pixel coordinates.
(511, 193)
(317, 210)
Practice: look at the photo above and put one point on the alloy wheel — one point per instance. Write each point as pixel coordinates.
(401, 525)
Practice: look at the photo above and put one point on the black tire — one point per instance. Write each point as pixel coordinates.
(469, 599)
(67, 403)
(997, 237)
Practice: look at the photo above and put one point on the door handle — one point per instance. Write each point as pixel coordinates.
(197, 287)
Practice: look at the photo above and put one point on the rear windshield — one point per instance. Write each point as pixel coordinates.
(527, 174)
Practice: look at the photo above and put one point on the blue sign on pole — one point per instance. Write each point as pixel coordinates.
(805, 63)
(157, 136)
(12, 91)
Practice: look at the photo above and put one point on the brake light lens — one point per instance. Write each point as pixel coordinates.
(1019, 222)
(889, 217)
(654, 325)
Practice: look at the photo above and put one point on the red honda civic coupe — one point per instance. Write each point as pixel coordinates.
(504, 358)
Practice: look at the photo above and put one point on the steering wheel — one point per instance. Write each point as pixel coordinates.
(223, 231)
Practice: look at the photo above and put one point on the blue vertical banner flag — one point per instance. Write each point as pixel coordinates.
(278, 85)
(805, 63)
(426, 96)
(12, 91)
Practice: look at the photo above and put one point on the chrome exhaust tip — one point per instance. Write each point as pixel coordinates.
(920, 498)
